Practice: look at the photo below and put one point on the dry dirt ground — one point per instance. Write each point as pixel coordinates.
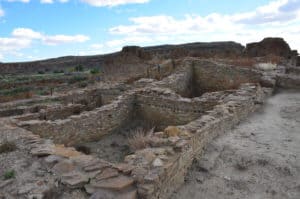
(259, 159)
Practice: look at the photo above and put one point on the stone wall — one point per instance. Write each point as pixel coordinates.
(88, 126)
(165, 165)
(210, 76)
(164, 108)
(179, 81)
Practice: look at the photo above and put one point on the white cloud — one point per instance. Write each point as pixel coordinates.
(278, 18)
(61, 39)
(1, 12)
(110, 3)
(47, 1)
(22, 38)
(23, 1)
(13, 44)
(41, 1)
(29, 34)
(26, 33)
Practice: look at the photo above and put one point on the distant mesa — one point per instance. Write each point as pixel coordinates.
(131, 55)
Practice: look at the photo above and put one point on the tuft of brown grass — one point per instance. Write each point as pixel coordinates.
(140, 138)
(7, 147)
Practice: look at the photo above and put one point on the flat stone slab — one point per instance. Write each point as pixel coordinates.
(74, 179)
(116, 183)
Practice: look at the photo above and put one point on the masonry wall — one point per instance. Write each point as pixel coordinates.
(221, 119)
(171, 110)
(180, 81)
(88, 126)
(209, 76)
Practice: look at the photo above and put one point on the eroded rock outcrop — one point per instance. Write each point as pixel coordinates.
(269, 46)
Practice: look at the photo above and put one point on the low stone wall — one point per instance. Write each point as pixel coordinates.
(178, 81)
(162, 107)
(163, 167)
(54, 112)
(210, 76)
(288, 81)
(88, 126)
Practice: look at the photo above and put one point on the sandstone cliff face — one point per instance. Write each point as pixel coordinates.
(130, 55)
(135, 55)
(203, 50)
(269, 46)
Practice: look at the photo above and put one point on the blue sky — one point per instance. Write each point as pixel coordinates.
(38, 29)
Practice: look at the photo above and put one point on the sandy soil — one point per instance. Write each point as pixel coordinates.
(259, 159)
(114, 147)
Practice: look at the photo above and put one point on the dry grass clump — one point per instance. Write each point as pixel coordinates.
(140, 138)
(7, 147)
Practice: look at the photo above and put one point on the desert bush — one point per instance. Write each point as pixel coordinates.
(41, 72)
(84, 149)
(9, 174)
(79, 68)
(7, 147)
(140, 138)
(83, 84)
(58, 71)
(95, 71)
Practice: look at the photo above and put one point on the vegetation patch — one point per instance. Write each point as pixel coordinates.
(140, 138)
(9, 174)
(7, 147)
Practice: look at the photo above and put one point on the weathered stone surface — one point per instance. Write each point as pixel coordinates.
(64, 167)
(124, 168)
(43, 150)
(269, 46)
(6, 183)
(52, 159)
(107, 194)
(116, 183)
(65, 152)
(107, 173)
(157, 163)
(74, 179)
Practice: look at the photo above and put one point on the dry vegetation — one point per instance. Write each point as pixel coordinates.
(140, 138)
(7, 147)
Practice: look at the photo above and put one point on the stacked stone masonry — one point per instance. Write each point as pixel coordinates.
(198, 102)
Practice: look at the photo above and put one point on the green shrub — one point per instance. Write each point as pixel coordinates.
(7, 147)
(83, 84)
(58, 71)
(9, 174)
(41, 72)
(79, 68)
(95, 71)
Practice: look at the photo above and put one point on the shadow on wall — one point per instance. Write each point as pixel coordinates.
(208, 76)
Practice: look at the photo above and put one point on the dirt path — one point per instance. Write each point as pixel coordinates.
(260, 159)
